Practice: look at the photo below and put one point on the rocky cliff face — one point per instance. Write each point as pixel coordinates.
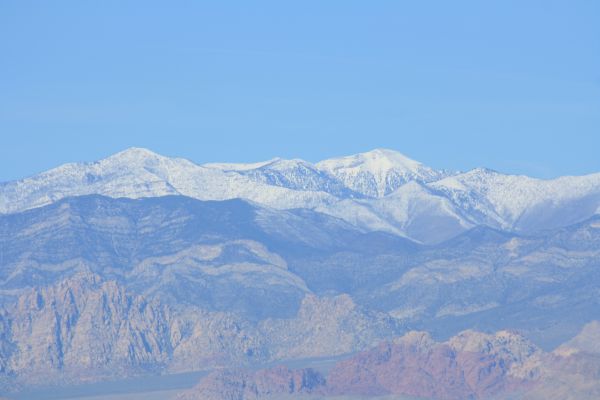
(85, 328)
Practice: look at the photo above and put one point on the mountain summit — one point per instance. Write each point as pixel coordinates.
(379, 172)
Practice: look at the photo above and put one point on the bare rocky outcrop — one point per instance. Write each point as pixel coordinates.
(469, 366)
(85, 328)
(327, 326)
(245, 385)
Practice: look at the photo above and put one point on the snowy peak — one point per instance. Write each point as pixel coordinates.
(378, 172)
(375, 161)
(136, 157)
(372, 174)
(134, 154)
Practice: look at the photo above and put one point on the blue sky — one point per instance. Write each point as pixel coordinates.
(511, 85)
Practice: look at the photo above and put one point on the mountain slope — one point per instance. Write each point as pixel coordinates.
(291, 174)
(520, 203)
(230, 255)
(239, 257)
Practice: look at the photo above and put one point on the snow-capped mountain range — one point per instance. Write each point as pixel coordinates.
(140, 264)
(377, 190)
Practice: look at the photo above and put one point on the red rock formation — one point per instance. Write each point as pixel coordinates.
(439, 372)
(245, 385)
(470, 366)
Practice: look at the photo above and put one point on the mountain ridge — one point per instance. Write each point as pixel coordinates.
(363, 189)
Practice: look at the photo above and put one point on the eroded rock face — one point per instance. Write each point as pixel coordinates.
(244, 385)
(86, 329)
